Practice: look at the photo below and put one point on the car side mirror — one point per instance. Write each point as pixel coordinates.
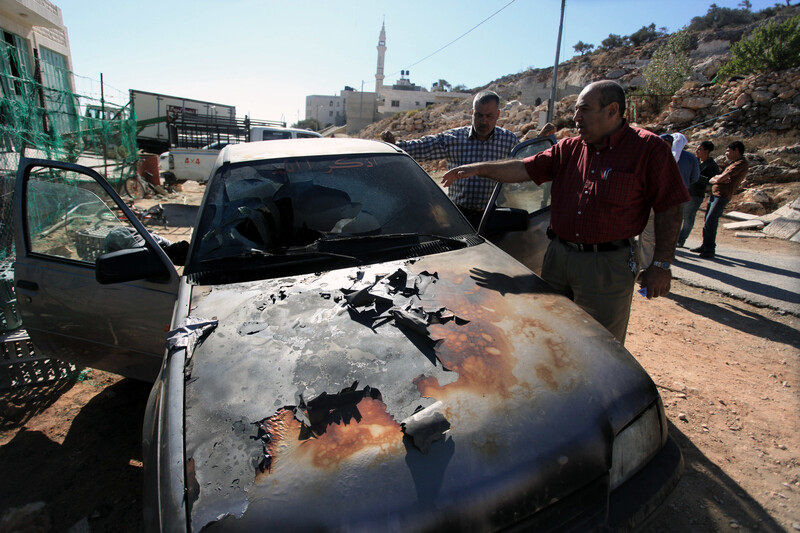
(130, 264)
(506, 219)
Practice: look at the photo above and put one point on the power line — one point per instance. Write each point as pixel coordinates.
(456, 39)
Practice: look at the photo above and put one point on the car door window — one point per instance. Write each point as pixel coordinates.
(527, 195)
(68, 216)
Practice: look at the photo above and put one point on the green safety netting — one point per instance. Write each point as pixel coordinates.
(42, 115)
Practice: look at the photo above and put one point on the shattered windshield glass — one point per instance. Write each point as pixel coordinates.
(281, 217)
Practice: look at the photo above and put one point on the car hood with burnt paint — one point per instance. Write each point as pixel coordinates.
(450, 392)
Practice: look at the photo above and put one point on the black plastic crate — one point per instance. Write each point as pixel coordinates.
(21, 365)
(90, 242)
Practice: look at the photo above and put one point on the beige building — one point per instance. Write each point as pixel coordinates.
(406, 96)
(328, 110)
(362, 110)
(33, 32)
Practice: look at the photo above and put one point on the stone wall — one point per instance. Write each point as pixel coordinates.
(742, 107)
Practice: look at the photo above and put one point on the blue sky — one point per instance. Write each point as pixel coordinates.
(265, 56)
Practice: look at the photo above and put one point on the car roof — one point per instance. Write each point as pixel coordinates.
(277, 149)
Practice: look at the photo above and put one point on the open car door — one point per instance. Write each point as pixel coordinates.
(93, 286)
(518, 214)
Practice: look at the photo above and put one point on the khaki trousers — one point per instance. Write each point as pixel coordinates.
(601, 283)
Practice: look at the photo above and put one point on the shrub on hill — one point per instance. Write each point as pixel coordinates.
(719, 17)
(772, 47)
(669, 66)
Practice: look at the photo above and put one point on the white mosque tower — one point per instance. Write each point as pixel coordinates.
(381, 53)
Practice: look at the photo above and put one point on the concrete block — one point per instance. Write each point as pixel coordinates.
(738, 215)
(783, 228)
(745, 224)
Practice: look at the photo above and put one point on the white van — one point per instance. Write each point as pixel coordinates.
(272, 133)
(182, 164)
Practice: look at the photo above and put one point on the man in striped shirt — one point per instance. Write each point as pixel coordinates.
(605, 182)
(483, 140)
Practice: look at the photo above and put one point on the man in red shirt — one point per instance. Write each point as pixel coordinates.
(605, 181)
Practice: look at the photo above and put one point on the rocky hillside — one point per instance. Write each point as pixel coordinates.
(761, 110)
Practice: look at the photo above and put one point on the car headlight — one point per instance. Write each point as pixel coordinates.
(637, 444)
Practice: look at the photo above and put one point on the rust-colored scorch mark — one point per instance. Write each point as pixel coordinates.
(557, 360)
(280, 426)
(375, 429)
(479, 351)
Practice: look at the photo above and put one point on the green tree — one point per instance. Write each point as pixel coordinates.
(773, 46)
(644, 35)
(746, 5)
(612, 41)
(583, 48)
(308, 123)
(669, 66)
(441, 85)
(718, 17)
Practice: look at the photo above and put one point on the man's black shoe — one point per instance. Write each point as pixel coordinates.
(707, 255)
(699, 249)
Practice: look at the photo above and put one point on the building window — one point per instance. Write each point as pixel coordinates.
(59, 101)
(15, 64)
(416, 104)
(330, 104)
(395, 103)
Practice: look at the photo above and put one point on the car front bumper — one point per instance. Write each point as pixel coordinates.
(636, 502)
(628, 508)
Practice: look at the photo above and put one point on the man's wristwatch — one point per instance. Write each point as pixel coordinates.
(661, 264)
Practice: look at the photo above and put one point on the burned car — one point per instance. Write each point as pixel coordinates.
(344, 351)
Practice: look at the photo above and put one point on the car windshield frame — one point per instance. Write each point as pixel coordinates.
(274, 217)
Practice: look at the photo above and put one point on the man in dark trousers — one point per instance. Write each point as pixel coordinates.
(722, 188)
(605, 181)
(708, 169)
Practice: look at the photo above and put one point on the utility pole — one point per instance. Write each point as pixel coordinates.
(552, 102)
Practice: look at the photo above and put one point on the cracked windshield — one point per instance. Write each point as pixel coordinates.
(326, 208)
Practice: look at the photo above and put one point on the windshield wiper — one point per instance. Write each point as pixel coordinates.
(280, 257)
(387, 236)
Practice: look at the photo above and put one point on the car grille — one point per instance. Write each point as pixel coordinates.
(582, 511)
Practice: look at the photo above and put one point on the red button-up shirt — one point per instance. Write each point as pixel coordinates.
(605, 195)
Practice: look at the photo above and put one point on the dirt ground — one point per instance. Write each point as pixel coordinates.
(728, 373)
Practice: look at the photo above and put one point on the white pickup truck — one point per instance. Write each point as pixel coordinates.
(195, 164)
